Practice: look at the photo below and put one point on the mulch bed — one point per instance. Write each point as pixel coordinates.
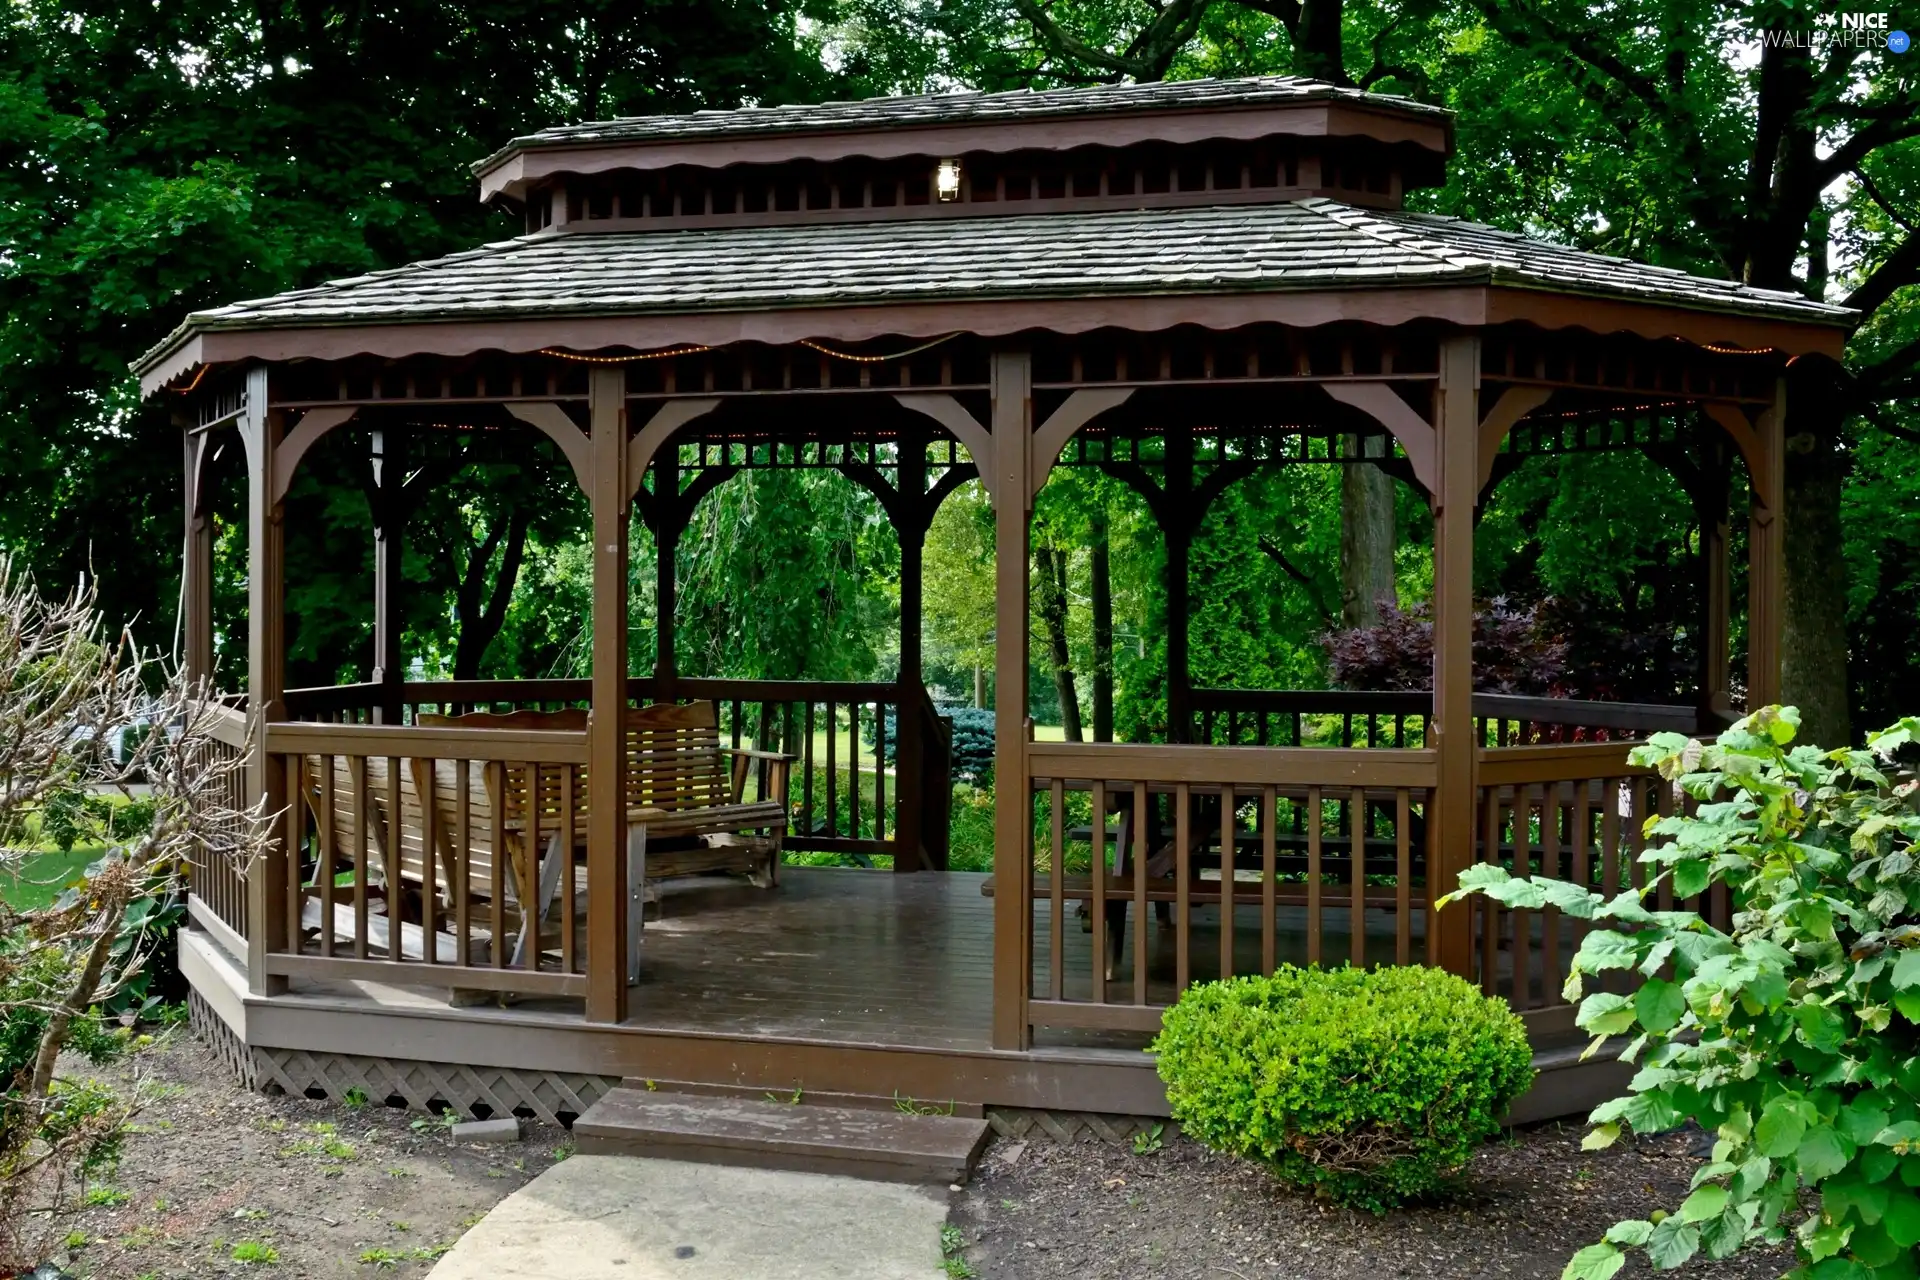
(216, 1175)
(1527, 1204)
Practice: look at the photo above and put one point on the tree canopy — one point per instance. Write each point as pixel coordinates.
(161, 158)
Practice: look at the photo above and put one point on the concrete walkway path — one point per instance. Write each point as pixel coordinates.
(618, 1218)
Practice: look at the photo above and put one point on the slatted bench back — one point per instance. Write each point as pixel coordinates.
(673, 758)
(542, 799)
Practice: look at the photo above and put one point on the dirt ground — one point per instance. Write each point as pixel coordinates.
(1181, 1213)
(216, 1176)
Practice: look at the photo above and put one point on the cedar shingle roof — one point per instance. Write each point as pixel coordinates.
(957, 108)
(1303, 244)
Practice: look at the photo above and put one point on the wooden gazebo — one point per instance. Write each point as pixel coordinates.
(1180, 284)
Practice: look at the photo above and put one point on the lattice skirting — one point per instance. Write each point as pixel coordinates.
(553, 1096)
(1071, 1126)
(213, 1030)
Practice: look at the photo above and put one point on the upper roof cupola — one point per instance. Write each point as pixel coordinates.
(1254, 140)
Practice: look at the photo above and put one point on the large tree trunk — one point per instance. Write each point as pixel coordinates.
(1101, 569)
(1366, 537)
(1051, 578)
(1813, 641)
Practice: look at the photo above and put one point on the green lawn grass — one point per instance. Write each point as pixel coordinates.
(42, 875)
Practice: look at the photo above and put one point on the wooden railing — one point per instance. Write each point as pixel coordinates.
(1247, 857)
(1398, 719)
(846, 796)
(1574, 812)
(399, 864)
(216, 884)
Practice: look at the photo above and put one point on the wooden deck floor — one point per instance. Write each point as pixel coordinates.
(871, 958)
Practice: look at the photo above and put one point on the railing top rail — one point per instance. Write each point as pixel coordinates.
(1554, 762)
(229, 726)
(1315, 701)
(1234, 766)
(1575, 711)
(529, 746)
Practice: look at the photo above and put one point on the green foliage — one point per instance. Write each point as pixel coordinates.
(1369, 1087)
(1793, 1038)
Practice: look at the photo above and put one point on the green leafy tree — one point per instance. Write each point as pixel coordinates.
(1793, 1037)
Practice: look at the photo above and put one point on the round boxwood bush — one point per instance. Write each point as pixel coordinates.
(1370, 1087)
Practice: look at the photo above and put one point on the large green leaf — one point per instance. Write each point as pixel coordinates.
(1706, 1202)
(1822, 1153)
(1782, 1123)
(1672, 1243)
(1902, 1217)
(1659, 1005)
(1595, 1262)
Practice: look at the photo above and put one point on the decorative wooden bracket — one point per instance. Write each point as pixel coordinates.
(553, 422)
(1514, 404)
(1077, 411)
(1415, 434)
(1747, 437)
(952, 415)
(294, 445)
(666, 420)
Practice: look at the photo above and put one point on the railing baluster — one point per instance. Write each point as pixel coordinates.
(1269, 821)
(429, 837)
(323, 856)
(1227, 833)
(362, 821)
(853, 759)
(1402, 876)
(391, 847)
(295, 836)
(1182, 890)
(1056, 891)
(1550, 868)
(499, 777)
(461, 875)
(1101, 925)
(536, 854)
(806, 773)
(833, 770)
(1357, 915)
(1522, 919)
(567, 834)
(1140, 846)
(1489, 910)
(1312, 819)
(879, 771)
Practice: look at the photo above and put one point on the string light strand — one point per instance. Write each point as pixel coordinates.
(645, 355)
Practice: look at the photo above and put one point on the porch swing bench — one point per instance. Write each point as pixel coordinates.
(687, 815)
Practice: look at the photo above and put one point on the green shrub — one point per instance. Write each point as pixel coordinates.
(1794, 1038)
(1369, 1087)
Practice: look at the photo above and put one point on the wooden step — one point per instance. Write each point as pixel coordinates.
(886, 1146)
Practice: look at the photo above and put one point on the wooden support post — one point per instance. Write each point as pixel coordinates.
(269, 929)
(1177, 526)
(389, 539)
(1012, 391)
(1766, 554)
(1450, 730)
(909, 746)
(606, 727)
(196, 562)
(1710, 505)
(672, 515)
